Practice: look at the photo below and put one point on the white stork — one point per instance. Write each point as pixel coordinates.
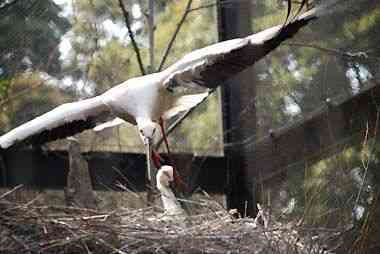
(144, 100)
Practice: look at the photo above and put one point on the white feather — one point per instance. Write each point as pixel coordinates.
(110, 124)
(169, 200)
(65, 113)
(185, 103)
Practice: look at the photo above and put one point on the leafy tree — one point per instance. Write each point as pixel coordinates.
(31, 32)
(316, 68)
(29, 46)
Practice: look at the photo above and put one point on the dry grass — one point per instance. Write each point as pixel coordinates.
(31, 227)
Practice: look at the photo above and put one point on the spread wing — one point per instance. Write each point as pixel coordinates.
(206, 68)
(63, 121)
(184, 103)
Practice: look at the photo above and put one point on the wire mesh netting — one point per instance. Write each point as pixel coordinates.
(313, 154)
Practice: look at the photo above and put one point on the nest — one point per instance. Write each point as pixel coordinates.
(29, 228)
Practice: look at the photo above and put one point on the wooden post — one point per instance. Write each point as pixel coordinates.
(79, 187)
(239, 114)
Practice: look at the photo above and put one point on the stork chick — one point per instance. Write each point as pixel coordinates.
(172, 207)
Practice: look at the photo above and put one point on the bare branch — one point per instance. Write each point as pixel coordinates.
(131, 36)
(11, 191)
(151, 35)
(202, 7)
(179, 25)
(359, 54)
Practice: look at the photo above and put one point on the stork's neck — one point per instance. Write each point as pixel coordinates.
(169, 201)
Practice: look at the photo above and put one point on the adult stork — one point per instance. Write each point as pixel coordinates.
(145, 100)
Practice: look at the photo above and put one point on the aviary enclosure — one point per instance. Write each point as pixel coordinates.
(283, 157)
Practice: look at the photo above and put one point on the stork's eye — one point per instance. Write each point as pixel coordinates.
(141, 131)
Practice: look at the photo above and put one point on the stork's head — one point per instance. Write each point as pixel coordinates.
(147, 129)
(165, 175)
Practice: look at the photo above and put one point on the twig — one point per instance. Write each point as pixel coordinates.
(22, 243)
(11, 191)
(133, 189)
(203, 7)
(179, 25)
(115, 250)
(365, 164)
(359, 54)
(131, 36)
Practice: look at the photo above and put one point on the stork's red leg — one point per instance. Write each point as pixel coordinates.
(177, 178)
(161, 122)
(157, 159)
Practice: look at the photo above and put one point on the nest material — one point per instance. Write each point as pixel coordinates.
(28, 228)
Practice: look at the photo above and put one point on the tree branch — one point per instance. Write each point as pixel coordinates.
(179, 25)
(359, 54)
(131, 36)
(202, 7)
(151, 36)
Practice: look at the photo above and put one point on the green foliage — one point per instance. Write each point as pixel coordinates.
(4, 86)
(28, 97)
(306, 76)
(31, 32)
(30, 35)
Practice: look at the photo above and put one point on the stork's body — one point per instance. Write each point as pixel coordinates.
(126, 100)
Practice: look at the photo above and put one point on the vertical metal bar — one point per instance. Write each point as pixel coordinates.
(234, 21)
